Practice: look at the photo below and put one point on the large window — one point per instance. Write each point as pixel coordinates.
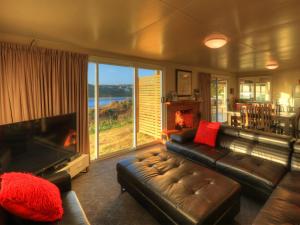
(247, 90)
(262, 91)
(124, 107)
(255, 89)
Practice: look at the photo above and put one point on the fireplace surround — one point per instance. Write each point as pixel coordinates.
(189, 110)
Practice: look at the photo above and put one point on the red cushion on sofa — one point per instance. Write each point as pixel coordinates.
(30, 197)
(207, 133)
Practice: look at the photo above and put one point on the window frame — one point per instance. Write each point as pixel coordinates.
(256, 80)
(135, 65)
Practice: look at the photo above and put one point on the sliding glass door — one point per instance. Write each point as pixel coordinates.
(219, 100)
(115, 112)
(124, 107)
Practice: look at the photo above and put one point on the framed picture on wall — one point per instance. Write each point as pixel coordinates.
(183, 83)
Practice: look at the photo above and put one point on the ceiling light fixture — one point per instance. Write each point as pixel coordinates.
(215, 40)
(272, 65)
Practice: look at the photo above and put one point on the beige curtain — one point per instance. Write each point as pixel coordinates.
(38, 82)
(204, 88)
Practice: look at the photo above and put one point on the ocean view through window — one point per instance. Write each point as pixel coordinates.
(119, 116)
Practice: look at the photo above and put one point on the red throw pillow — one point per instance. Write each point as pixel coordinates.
(30, 197)
(207, 133)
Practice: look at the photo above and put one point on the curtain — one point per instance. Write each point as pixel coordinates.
(204, 91)
(38, 82)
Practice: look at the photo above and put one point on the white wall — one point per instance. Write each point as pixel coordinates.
(283, 84)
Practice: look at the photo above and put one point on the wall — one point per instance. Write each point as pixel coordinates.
(283, 83)
(196, 78)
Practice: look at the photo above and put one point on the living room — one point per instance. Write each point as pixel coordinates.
(149, 112)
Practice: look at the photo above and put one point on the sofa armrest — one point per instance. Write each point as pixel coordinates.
(62, 180)
(184, 136)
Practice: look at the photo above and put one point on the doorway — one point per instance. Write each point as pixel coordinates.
(124, 107)
(219, 100)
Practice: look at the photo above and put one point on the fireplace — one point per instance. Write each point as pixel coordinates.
(184, 119)
(183, 114)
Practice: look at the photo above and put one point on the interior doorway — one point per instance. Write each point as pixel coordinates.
(219, 100)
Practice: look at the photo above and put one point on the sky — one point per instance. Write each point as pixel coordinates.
(112, 74)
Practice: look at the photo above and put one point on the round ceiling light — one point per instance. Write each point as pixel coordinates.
(272, 65)
(215, 40)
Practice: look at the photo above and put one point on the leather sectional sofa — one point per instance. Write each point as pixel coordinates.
(258, 161)
(266, 165)
(283, 206)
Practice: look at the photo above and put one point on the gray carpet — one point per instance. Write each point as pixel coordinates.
(99, 194)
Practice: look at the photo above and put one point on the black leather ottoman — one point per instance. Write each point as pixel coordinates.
(179, 191)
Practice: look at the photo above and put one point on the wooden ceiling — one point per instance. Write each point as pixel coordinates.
(170, 30)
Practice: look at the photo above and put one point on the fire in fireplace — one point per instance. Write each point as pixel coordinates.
(183, 119)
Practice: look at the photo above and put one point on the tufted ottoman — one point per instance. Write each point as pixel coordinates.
(178, 191)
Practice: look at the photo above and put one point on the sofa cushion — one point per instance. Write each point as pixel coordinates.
(30, 197)
(229, 131)
(184, 136)
(291, 181)
(207, 133)
(283, 206)
(295, 164)
(267, 138)
(256, 172)
(235, 144)
(198, 152)
(271, 152)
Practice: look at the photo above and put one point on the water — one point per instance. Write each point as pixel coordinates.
(106, 101)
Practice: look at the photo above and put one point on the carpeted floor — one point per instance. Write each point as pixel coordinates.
(99, 194)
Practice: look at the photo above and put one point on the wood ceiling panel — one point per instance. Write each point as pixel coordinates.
(259, 15)
(178, 4)
(168, 39)
(213, 16)
(90, 20)
(171, 30)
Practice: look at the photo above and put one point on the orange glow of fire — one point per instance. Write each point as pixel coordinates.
(71, 139)
(179, 119)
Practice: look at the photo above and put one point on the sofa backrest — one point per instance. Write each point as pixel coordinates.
(295, 164)
(276, 148)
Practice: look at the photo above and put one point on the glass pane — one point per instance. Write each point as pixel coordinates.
(222, 100)
(263, 91)
(116, 108)
(148, 106)
(91, 108)
(213, 94)
(247, 89)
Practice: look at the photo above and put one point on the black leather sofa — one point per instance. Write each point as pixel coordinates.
(73, 212)
(256, 160)
(283, 206)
